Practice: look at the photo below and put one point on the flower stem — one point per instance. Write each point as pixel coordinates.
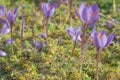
(23, 25)
(46, 30)
(82, 48)
(40, 4)
(11, 24)
(70, 6)
(73, 49)
(22, 30)
(97, 63)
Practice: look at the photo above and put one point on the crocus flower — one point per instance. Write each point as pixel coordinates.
(88, 15)
(2, 10)
(110, 23)
(38, 44)
(100, 40)
(41, 35)
(2, 53)
(11, 15)
(8, 41)
(5, 29)
(48, 9)
(74, 33)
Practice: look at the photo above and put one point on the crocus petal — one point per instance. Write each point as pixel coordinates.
(53, 8)
(54, 5)
(102, 39)
(93, 32)
(15, 13)
(84, 13)
(2, 20)
(94, 13)
(5, 29)
(109, 40)
(44, 8)
(95, 41)
(1, 10)
(2, 53)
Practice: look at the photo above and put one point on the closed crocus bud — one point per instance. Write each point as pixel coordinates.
(74, 33)
(11, 15)
(2, 53)
(88, 15)
(100, 40)
(5, 29)
(48, 9)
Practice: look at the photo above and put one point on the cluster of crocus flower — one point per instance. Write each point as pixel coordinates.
(89, 16)
(7, 27)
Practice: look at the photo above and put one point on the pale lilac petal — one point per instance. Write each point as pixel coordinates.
(102, 39)
(5, 29)
(84, 15)
(2, 11)
(2, 53)
(109, 40)
(15, 13)
(93, 32)
(95, 41)
(94, 13)
(83, 10)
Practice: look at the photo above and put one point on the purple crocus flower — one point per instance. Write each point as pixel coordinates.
(5, 29)
(88, 15)
(2, 53)
(100, 40)
(38, 44)
(48, 9)
(74, 33)
(11, 15)
(41, 35)
(2, 10)
(8, 41)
